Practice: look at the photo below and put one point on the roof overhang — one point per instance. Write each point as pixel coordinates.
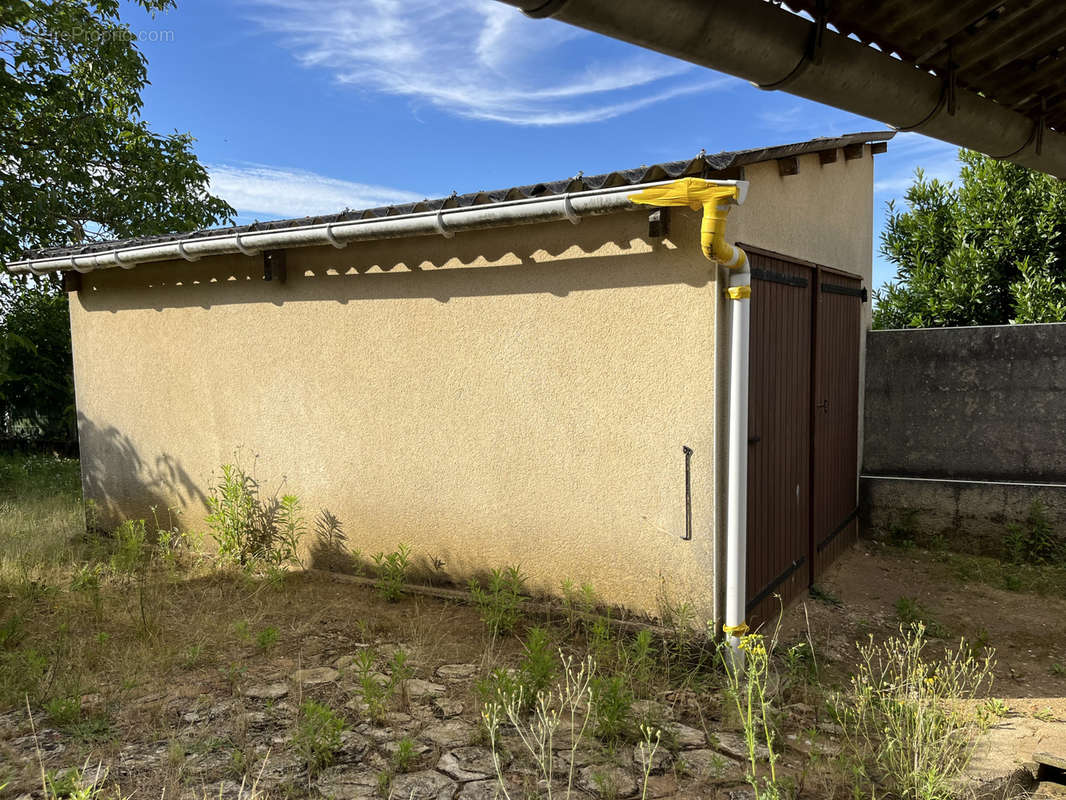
(982, 74)
(570, 198)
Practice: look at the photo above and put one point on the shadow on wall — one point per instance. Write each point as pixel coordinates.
(536, 260)
(331, 549)
(122, 485)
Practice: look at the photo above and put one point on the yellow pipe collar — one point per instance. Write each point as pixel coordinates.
(715, 200)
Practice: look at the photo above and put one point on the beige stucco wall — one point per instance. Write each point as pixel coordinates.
(510, 396)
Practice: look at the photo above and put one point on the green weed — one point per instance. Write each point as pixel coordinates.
(290, 530)
(996, 707)
(749, 688)
(612, 704)
(1035, 541)
(267, 638)
(906, 721)
(249, 531)
(404, 755)
(318, 735)
(500, 602)
(910, 612)
(392, 572)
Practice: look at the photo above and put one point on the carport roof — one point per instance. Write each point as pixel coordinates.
(1011, 51)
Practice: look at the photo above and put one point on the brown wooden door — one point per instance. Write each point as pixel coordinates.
(838, 324)
(803, 417)
(778, 435)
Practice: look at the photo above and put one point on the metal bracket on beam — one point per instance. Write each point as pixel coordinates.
(1036, 137)
(274, 266)
(812, 51)
(546, 9)
(947, 100)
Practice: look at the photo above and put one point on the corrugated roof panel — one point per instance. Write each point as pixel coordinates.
(703, 165)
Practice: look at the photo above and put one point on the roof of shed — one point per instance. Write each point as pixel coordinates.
(703, 165)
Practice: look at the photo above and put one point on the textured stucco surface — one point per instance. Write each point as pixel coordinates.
(511, 396)
(969, 517)
(972, 403)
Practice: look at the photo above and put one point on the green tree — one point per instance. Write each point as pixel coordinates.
(36, 382)
(77, 164)
(989, 251)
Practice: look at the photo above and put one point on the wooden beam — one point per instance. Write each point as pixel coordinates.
(878, 147)
(827, 156)
(853, 151)
(788, 166)
(71, 281)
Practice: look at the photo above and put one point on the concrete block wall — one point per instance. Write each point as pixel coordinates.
(965, 430)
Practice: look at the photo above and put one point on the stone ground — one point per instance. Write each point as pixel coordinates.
(214, 737)
(195, 727)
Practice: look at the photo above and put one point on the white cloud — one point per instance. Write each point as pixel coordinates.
(476, 58)
(274, 192)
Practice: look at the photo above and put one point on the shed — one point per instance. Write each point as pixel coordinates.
(491, 383)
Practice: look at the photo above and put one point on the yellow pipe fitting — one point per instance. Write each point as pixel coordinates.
(739, 292)
(715, 200)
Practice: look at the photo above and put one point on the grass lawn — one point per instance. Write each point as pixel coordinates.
(130, 665)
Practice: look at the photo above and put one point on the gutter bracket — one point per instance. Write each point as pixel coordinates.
(242, 247)
(568, 210)
(184, 253)
(438, 223)
(333, 240)
(117, 254)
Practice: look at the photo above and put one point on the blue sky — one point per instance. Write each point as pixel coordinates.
(309, 106)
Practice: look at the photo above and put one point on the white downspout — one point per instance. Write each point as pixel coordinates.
(716, 201)
(737, 498)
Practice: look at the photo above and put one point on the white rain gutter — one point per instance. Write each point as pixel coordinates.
(445, 222)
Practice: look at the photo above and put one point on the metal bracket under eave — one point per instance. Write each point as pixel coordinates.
(659, 223)
(274, 265)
